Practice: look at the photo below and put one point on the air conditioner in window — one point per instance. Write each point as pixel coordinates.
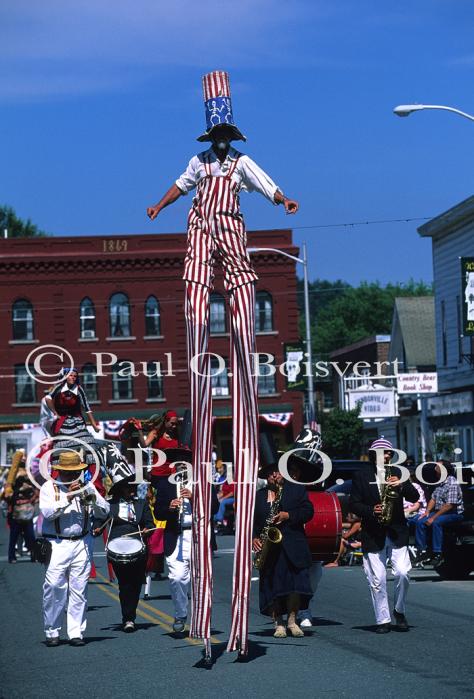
(88, 333)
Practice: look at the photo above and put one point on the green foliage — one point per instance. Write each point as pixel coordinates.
(341, 314)
(15, 226)
(342, 432)
(444, 444)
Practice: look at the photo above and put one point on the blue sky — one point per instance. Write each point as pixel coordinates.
(100, 105)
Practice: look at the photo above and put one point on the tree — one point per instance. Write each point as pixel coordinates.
(341, 314)
(342, 432)
(16, 227)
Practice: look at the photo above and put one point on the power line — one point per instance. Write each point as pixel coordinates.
(350, 224)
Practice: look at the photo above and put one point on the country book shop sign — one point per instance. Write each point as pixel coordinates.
(417, 383)
(375, 403)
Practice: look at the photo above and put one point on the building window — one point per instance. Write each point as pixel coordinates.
(444, 340)
(154, 382)
(23, 320)
(25, 386)
(89, 382)
(217, 314)
(122, 382)
(263, 312)
(219, 381)
(119, 316)
(152, 317)
(266, 379)
(87, 318)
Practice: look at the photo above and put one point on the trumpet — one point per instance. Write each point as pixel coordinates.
(181, 485)
(87, 496)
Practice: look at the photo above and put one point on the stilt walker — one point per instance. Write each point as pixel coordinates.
(216, 233)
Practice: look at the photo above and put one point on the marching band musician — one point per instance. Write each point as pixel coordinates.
(129, 516)
(284, 579)
(380, 541)
(67, 507)
(174, 504)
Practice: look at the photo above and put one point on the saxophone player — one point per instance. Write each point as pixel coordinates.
(284, 586)
(384, 534)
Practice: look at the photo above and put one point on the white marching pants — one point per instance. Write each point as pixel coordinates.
(65, 586)
(179, 574)
(376, 572)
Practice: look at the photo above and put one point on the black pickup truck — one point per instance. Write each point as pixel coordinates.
(458, 544)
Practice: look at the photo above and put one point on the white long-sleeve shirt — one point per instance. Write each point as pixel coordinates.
(247, 174)
(54, 505)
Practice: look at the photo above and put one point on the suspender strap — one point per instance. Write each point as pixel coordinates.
(56, 521)
(233, 166)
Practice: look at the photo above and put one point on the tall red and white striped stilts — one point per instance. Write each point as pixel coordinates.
(245, 436)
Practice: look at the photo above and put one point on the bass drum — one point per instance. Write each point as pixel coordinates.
(324, 530)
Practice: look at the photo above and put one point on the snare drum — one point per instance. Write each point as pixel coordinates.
(125, 549)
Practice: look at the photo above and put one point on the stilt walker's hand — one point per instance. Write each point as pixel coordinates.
(152, 212)
(291, 206)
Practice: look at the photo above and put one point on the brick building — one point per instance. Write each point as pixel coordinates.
(115, 303)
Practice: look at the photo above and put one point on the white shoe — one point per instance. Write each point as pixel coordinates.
(306, 623)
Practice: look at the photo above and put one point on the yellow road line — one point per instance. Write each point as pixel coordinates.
(157, 612)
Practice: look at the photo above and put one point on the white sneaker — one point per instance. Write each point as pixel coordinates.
(306, 623)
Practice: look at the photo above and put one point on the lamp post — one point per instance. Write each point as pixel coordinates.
(303, 261)
(404, 110)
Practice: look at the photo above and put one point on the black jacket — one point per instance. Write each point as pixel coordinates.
(364, 495)
(120, 527)
(295, 501)
(165, 493)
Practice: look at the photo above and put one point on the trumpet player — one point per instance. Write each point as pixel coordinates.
(174, 498)
(384, 534)
(67, 508)
(284, 586)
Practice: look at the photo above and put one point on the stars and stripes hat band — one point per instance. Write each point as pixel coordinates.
(218, 105)
(382, 443)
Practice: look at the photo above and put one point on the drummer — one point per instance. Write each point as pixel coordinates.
(128, 515)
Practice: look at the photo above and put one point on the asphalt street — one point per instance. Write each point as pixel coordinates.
(341, 656)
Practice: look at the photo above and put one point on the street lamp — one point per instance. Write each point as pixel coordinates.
(404, 110)
(304, 262)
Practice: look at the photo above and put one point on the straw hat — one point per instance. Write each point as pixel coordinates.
(70, 461)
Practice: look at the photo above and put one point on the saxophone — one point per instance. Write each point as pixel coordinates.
(389, 496)
(270, 534)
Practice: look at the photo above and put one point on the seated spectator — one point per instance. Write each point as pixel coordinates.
(415, 510)
(220, 474)
(348, 539)
(445, 506)
(225, 497)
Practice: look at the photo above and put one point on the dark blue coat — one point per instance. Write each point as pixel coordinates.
(295, 501)
(364, 495)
